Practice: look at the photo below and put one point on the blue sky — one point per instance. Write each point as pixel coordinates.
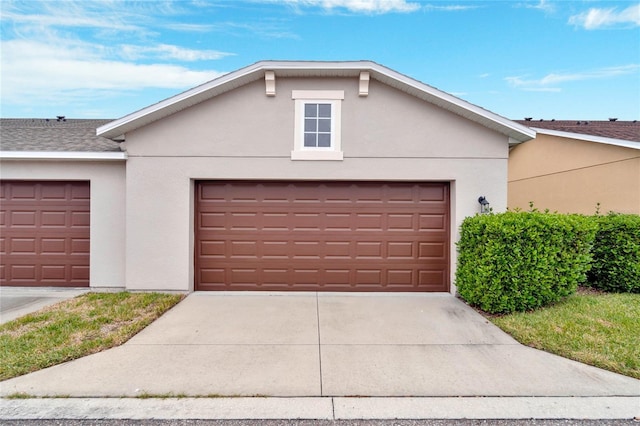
(105, 59)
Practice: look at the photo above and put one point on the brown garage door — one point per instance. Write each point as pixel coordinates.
(45, 234)
(322, 236)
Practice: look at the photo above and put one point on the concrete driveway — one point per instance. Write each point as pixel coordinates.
(18, 301)
(326, 344)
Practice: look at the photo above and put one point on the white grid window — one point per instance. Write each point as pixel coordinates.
(317, 125)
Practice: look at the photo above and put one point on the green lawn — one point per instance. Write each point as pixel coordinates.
(594, 328)
(75, 328)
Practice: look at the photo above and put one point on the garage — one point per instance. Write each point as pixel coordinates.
(45, 233)
(322, 236)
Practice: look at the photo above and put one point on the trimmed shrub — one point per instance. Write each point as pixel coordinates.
(517, 261)
(616, 254)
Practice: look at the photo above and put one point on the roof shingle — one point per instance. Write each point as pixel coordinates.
(69, 135)
(623, 130)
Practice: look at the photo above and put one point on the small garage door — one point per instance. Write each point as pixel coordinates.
(322, 236)
(45, 234)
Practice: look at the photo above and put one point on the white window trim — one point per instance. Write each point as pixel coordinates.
(302, 97)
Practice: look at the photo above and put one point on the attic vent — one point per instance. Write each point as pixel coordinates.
(613, 119)
(528, 118)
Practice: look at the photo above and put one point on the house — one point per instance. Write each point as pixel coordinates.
(62, 201)
(577, 167)
(327, 176)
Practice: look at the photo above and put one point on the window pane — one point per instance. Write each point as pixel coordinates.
(310, 110)
(310, 139)
(324, 140)
(310, 125)
(324, 110)
(324, 125)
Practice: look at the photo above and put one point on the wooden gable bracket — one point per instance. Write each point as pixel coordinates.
(364, 83)
(270, 83)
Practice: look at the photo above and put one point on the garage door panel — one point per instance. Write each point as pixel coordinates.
(24, 219)
(274, 221)
(432, 250)
(213, 248)
(400, 277)
(401, 250)
(80, 246)
(22, 273)
(52, 273)
(53, 245)
(432, 221)
(213, 276)
(22, 191)
(326, 236)
(369, 250)
(46, 234)
(244, 275)
(430, 277)
(53, 219)
(79, 273)
(244, 249)
(54, 192)
(433, 193)
(80, 219)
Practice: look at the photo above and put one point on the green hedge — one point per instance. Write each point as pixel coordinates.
(517, 261)
(616, 254)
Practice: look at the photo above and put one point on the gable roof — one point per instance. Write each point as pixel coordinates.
(116, 129)
(51, 135)
(621, 130)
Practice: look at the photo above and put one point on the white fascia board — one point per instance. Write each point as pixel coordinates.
(590, 138)
(256, 71)
(63, 155)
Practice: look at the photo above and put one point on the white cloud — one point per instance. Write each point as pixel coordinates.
(595, 18)
(169, 52)
(194, 28)
(33, 71)
(543, 5)
(448, 8)
(358, 6)
(546, 83)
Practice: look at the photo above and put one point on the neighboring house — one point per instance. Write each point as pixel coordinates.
(577, 167)
(63, 204)
(327, 176)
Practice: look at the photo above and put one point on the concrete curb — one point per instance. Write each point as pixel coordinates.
(329, 408)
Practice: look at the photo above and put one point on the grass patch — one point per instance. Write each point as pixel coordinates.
(593, 328)
(75, 328)
(19, 395)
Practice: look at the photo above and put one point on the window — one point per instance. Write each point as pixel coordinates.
(317, 125)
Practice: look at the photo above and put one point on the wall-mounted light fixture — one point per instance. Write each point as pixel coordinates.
(484, 204)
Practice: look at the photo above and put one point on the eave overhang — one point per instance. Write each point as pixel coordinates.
(63, 155)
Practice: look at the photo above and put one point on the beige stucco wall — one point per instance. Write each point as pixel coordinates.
(107, 209)
(244, 134)
(573, 176)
